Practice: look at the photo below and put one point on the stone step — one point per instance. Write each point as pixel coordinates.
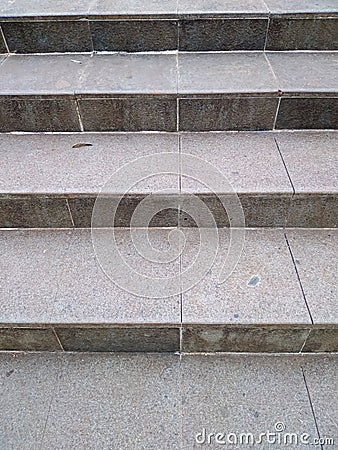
(282, 179)
(169, 91)
(112, 290)
(188, 25)
(134, 401)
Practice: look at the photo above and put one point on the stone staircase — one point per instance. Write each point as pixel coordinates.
(209, 123)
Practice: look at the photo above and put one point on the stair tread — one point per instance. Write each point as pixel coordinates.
(250, 161)
(154, 74)
(155, 8)
(54, 277)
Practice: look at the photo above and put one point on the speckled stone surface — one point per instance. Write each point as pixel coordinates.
(34, 212)
(222, 114)
(310, 113)
(134, 35)
(29, 339)
(321, 379)
(154, 401)
(237, 394)
(302, 34)
(126, 402)
(89, 296)
(214, 73)
(30, 272)
(80, 162)
(301, 6)
(144, 113)
(312, 73)
(27, 387)
(222, 34)
(274, 297)
(314, 252)
(48, 36)
(33, 114)
(322, 339)
(311, 160)
(248, 339)
(217, 7)
(250, 162)
(119, 74)
(117, 339)
(3, 48)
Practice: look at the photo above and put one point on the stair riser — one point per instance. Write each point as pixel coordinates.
(277, 32)
(188, 339)
(158, 113)
(260, 210)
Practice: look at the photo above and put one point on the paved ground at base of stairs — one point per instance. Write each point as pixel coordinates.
(167, 401)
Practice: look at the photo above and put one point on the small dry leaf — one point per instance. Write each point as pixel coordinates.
(82, 144)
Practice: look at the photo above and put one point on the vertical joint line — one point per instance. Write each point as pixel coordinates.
(267, 32)
(79, 114)
(277, 112)
(299, 281)
(311, 406)
(70, 213)
(4, 39)
(285, 166)
(58, 339)
(305, 341)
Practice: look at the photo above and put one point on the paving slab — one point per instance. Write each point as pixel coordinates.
(243, 394)
(314, 72)
(80, 162)
(41, 8)
(27, 385)
(249, 161)
(301, 6)
(67, 74)
(314, 252)
(30, 272)
(77, 300)
(211, 73)
(116, 402)
(311, 160)
(321, 379)
(217, 7)
(133, 8)
(263, 288)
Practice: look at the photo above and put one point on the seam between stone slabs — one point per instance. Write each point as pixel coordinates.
(55, 389)
(285, 166)
(78, 112)
(58, 339)
(299, 280)
(4, 39)
(305, 341)
(90, 35)
(70, 213)
(276, 115)
(180, 407)
(311, 405)
(267, 30)
(59, 280)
